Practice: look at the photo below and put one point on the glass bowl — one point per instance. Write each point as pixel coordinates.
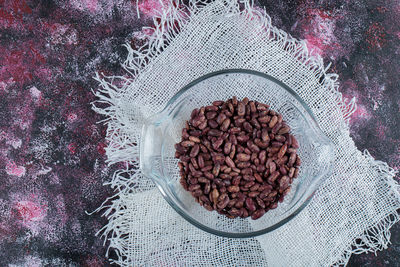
(163, 130)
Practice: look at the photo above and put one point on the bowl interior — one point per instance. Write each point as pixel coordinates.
(315, 149)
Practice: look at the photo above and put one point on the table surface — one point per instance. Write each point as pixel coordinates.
(52, 160)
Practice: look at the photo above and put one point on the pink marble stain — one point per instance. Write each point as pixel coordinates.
(14, 169)
(61, 34)
(91, 5)
(319, 30)
(72, 148)
(30, 214)
(83, 5)
(152, 7)
(71, 117)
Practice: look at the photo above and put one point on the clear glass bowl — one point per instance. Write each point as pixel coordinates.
(163, 130)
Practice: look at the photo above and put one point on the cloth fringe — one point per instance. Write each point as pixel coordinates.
(124, 148)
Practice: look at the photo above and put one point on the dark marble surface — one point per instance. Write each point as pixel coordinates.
(52, 162)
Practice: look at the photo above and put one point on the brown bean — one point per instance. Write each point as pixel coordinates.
(218, 103)
(232, 139)
(280, 138)
(247, 171)
(194, 113)
(227, 147)
(284, 182)
(225, 125)
(209, 175)
(214, 195)
(244, 212)
(250, 204)
(203, 180)
(291, 172)
(264, 119)
(273, 121)
(276, 144)
(286, 191)
(255, 123)
(207, 188)
(283, 170)
(282, 151)
(258, 178)
(206, 168)
(208, 207)
(214, 132)
(200, 161)
(211, 115)
(197, 193)
(234, 130)
(243, 157)
(230, 107)
(219, 158)
(221, 117)
(211, 108)
(225, 176)
(296, 173)
(264, 135)
(243, 165)
(262, 156)
(233, 189)
(222, 204)
(194, 139)
(258, 214)
(235, 212)
(273, 206)
(231, 203)
(284, 129)
(213, 124)
(218, 143)
(247, 127)
(187, 143)
(298, 161)
(194, 187)
(249, 184)
(202, 125)
(233, 151)
(195, 151)
(271, 179)
(194, 163)
(295, 144)
(234, 100)
(292, 159)
(253, 194)
(229, 162)
(242, 138)
(261, 144)
(193, 181)
(253, 108)
(226, 169)
(197, 173)
(276, 128)
(260, 202)
(241, 109)
(272, 167)
(254, 187)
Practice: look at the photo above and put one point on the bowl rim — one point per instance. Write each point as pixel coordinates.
(315, 185)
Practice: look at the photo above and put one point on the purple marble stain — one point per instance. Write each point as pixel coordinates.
(52, 158)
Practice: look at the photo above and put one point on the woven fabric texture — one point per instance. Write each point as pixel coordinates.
(350, 213)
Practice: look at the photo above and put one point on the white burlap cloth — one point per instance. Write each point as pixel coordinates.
(350, 213)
